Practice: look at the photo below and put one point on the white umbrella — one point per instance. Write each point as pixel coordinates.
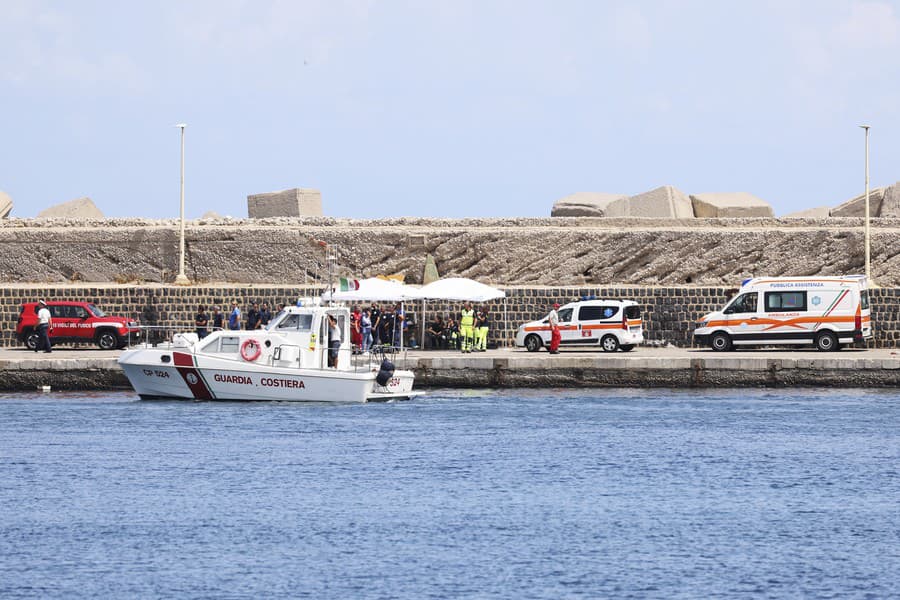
(383, 290)
(458, 288)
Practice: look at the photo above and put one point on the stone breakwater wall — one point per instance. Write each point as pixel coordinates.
(562, 251)
(669, 312)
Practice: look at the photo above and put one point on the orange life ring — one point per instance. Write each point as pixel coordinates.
(250, 350)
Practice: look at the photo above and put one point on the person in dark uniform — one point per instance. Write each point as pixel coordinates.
(218, 319)
(434, 335)
(45, 326)
(253, 317)
(200, 322)
(264, 315)
(375, 315)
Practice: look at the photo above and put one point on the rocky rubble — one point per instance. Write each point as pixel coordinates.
(526, 252)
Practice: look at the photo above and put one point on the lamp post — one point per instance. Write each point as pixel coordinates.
(181, 278)
(867, 236)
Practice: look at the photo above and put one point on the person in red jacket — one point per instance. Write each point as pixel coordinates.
(356, 330)
(553, 319)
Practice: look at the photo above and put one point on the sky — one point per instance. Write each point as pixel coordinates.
(456, 108)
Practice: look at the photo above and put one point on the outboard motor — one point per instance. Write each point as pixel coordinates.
(385, 372)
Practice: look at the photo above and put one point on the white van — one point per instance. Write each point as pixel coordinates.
(827, 312)
(611, 324)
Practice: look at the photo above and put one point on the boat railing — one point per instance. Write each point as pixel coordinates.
(151, 336)
(372, 359)
(161, 336)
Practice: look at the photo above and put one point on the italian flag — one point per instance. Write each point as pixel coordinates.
(348, 285)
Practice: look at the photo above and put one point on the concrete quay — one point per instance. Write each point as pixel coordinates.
(86, 369)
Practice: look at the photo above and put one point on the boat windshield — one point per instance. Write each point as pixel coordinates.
(302, 322)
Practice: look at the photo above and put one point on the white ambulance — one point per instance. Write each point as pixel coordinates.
(611, 324)
(827, 312)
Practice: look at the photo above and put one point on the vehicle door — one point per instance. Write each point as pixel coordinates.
(81, 322)
(321, 346)
(742, 317)
(64, 323)
(568, 327)
(596, 321)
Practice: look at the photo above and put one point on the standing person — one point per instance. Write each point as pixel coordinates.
(466, 327)
(264, 315)
(253, 317)
(451, 332)
(365, 330)
(200, 322)
(234, 318)
(555, 338)
(218, 318)
(375, 315)
(481, 331)
(45, 326)
(355, 330)
(387, 327)
(334, 341)
(399, 325)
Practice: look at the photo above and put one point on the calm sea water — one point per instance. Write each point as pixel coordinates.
(550, 494)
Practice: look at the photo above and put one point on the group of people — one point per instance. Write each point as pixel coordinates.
(372, 326)
(469, 333)
(258, 317)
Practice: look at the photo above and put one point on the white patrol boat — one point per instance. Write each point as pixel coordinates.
(286, 361)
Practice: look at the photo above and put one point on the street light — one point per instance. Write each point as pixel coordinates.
(181, 278)
(868, 234)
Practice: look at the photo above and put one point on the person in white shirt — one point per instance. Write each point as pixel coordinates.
(45, 326)
(334, 341)
(555, 337)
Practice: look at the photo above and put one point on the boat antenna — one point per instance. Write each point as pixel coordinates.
(331, 260)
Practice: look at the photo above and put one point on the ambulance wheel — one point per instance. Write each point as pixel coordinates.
(720, 342)
(609, 343)
(826, 342)
(626, 347)
(533, 343)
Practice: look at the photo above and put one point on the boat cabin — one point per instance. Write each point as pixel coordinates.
(298, 336)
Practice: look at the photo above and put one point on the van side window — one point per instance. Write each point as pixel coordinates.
(864, 300)
(776, 301)
(565, 315)
(597, 313)
(745, 303)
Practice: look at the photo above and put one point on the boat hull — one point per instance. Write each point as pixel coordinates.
(174, 374)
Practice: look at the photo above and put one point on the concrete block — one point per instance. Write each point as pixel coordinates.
(6, 205)
(296, 202)
(890, 204)
(820, 212)
(80, 208)
(856, 207)
(729, 204)
(753, 364)
(590, 204)
(663, 202)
